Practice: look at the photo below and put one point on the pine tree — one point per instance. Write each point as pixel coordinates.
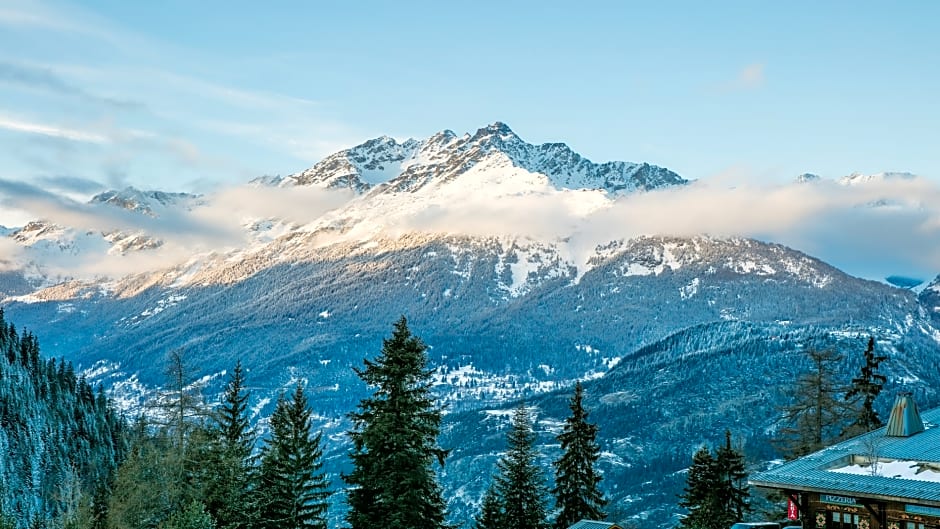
(699, 496)
(868, 386)
(732, 490)
(577, 496)
(164, 472)
(520, 484)
(816, 414)
(491, 512)
(230, 471)
(716, 493)
(182, 413)
(393, 483)
(293, 491)
(194, 516)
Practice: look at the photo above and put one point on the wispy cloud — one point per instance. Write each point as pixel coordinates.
(872, 230)
(44, 78)
(53, 131)
(213, 224)
(751, 77)
(69, 184)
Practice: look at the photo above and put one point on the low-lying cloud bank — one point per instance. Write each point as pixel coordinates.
(882, 227)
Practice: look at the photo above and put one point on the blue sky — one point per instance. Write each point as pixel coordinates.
(181, 94)
(196, 96)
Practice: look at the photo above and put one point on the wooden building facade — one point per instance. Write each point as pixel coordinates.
(885, 479)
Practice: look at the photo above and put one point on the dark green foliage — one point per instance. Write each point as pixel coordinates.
(165, 470)
(699, 496)
(59, 439)
(293, 492)
(194, 516)
(816, 414)
(577, 495)
(228, 481)
(491, 512)
(520, 483)
(733, 493)
(716, 493)
(867, 386)
(393, 483)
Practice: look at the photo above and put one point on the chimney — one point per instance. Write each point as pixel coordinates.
(905, 420)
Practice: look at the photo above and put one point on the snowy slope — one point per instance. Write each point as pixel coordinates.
(46, 243)
(414, 164)
(930, 299)
(506, 316)
(860, 178)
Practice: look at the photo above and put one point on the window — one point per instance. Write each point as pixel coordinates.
(845, 520)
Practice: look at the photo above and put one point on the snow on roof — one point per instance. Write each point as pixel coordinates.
(915, 470)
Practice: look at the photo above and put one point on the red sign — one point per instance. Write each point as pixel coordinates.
(793, 513)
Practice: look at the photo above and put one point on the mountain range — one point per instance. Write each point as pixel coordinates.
(676, 337)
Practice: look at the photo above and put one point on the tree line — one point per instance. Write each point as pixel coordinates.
(821, 411)
(184, 465)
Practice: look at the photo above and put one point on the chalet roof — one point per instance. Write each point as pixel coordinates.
(909, 467)
(905, 421)
(592, 524)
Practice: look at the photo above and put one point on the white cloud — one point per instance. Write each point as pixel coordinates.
(752, 76)
(872, 230)
(53, 131)
(10, 254)
(231, 206)
(214, 226)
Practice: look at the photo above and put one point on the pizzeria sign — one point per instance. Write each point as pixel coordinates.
(841, 500)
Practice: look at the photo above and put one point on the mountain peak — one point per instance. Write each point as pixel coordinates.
(146, 202)
(807, 177)
(497, 132)
(860, 178)
(445, 157)
(498, 127)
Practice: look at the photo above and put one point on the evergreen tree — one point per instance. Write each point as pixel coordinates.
(230, 471)
(59, 441)
(577, 496)
(393, 483)
(816, 414)
(491, 512)
(520, 484)
(194, 516)
(732, 490)
(164, 472)
(146, 492)
(868, 386)
(699, 497)
(293, 491)
(716, 493)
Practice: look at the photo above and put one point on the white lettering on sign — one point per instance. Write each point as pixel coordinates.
(841, 500)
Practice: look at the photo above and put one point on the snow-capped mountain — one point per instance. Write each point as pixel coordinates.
(860, 178)
(930, 298)
(387, 166)
(152, 203)
(508, 315)
(72, 240)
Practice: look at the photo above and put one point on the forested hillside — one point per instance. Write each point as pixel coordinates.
(60, 438)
